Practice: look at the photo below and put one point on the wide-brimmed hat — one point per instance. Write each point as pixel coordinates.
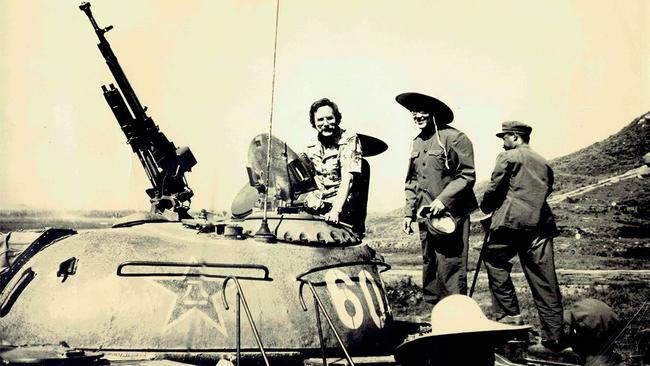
(442, 224)
(454, 316)
(371, 146)
(514, 127)
(416, 102)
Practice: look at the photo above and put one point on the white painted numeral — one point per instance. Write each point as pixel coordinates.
(366, 278)
(347, 304)
(341, 294)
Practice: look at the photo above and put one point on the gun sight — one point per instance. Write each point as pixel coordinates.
(85, 7)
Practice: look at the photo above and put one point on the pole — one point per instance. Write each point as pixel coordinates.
(485, 223)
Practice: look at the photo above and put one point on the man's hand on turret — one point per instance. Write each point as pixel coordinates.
(332, 216)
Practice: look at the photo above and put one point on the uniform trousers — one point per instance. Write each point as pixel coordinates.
(444, 270)
(536, 257)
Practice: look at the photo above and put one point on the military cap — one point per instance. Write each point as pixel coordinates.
(416, 102)
(514, 127)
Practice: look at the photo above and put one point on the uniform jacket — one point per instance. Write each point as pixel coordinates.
(521, 181)
(428, 176)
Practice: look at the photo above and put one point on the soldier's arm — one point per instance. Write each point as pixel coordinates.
(465, 174)
(498, 187)
(350, 156)
(410, 189)
(551, 181)
(347, 180)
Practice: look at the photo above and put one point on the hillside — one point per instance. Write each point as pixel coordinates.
(612, 210)
(614, 155)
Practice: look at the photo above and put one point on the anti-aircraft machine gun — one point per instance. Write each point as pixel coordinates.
(164, 164)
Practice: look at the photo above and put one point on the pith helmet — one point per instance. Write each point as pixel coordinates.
(416, 102)
(456, 317)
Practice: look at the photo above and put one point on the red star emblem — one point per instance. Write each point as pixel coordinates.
(195, 296)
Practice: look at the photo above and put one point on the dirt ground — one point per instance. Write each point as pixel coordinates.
(626, 290)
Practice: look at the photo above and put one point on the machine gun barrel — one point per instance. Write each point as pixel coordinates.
(164, 164)
(111, 60)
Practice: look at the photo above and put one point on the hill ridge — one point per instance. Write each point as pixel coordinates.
(614, 155)
(617, 153)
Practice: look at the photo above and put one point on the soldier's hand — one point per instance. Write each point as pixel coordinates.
(314, 200)
(424, 211)
(406, 225)
(486, 222)
(332, 216)
(437, 207)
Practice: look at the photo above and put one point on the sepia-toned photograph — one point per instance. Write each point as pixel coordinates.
(314, 183)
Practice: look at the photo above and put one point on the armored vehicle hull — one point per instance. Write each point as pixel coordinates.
(160, 286)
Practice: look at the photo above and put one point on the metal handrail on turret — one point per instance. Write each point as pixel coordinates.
(157, 269)
(318, 304)
(242, 299)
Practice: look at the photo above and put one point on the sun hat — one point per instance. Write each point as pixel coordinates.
(441, 224)
(455, 316)
(417, 102)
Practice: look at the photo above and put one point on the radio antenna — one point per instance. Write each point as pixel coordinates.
(264, 233)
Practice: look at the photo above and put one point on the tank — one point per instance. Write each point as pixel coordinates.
(269, 279)
(204, 286)
(153, 285)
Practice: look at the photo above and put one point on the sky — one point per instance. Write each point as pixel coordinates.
(576, 71)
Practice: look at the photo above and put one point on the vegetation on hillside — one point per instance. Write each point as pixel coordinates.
(614, 155)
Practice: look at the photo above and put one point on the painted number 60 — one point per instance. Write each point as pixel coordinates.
(339, 286)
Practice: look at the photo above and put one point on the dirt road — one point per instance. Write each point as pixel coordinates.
(567, 277)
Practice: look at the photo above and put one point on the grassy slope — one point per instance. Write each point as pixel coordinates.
(616, 154)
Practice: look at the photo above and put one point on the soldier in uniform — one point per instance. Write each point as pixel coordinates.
(335, 158)
(522, 224)
(593, 327)
(439, 183)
